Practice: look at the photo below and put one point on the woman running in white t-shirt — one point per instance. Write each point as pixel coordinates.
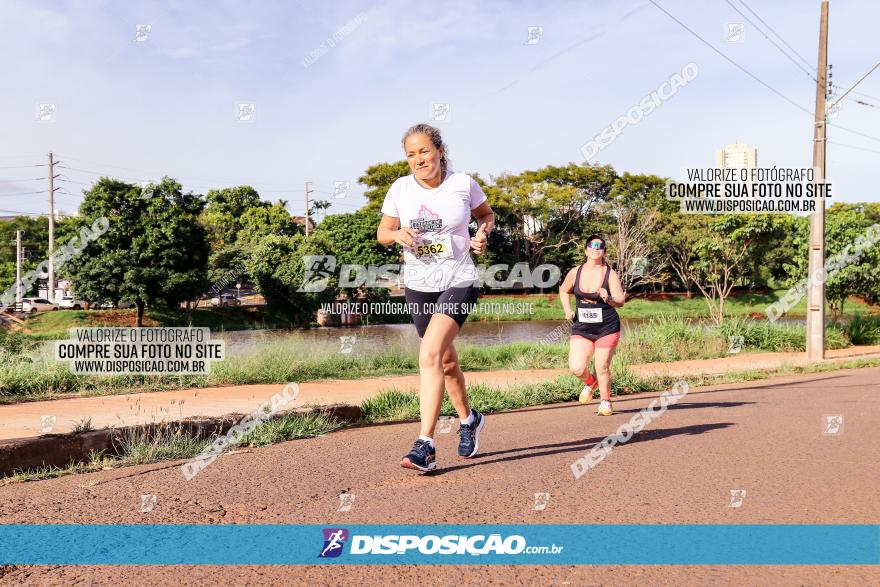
(428, 213)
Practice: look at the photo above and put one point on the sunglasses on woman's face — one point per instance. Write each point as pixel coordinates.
(596, 245)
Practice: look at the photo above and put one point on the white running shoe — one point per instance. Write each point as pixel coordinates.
(589, 388)
(605, 408)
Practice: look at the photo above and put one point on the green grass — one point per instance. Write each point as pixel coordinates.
(141, 446)
(84, 425)
(54, 325)
(548, 307)
(279, 361)
(742, 305)
(290, 427)
(863, 330)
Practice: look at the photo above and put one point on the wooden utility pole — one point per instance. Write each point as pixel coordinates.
(308, 191)
(50, 290)
(18, 292)
(816, 274)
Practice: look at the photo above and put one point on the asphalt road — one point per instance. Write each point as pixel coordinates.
(768, 438)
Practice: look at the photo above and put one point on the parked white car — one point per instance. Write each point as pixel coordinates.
(34, 305)
(110, 306)
(226, 299)
(71, 303)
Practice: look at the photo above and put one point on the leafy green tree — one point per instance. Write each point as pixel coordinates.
(263, 220)
(636, 203)
(224, 212)
(352, 239)
(542, 214)
(378, 178)
(280, 267)
(721, 254)
(860, 275)
(675, 239)
(34, 242)
(154, 252)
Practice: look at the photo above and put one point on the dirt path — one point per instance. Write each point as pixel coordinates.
(26, 419)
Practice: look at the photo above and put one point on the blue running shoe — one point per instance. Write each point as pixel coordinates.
(422, 457)
(469, 435)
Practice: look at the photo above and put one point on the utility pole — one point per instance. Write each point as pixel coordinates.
(308, 191)
(18, 292)
(51, 284)
(815, 285)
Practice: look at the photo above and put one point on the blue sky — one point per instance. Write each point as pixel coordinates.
(167, 105)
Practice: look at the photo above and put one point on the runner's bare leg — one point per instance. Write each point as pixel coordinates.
(439, 335)
(455, 385)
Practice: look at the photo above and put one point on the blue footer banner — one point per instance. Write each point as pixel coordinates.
(637, 544)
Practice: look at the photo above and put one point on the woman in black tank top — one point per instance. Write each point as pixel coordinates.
(595, 329)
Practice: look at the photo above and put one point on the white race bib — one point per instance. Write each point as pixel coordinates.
(436, 248)
(590, 315)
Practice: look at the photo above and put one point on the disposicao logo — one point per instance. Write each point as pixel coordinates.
(443, 545)
(334, 541)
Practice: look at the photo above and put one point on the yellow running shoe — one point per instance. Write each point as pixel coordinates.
(605, 408)
(589, 388)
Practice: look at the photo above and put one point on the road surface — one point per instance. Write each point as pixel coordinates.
(768, 438)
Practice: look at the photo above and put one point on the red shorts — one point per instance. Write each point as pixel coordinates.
(609, 341)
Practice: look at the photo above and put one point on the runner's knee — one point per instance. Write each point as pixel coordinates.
(450, 368)
(430, 358)
(603, 369)
(577, 367)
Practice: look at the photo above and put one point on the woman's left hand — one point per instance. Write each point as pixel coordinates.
(480, 241)
(603, 293)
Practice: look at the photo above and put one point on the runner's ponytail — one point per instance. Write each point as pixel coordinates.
(433, 133)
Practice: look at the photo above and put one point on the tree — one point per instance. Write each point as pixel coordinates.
(34, 241)
(224, 212)
(860, 275)
(632, 250)
(378, 178)
(676, 239)
(154, 252)
(279, 266)
(264, 220)
(352, 239)
(720, 254)
(542, 213)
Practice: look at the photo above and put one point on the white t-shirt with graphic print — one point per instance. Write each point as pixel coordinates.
(440, 257)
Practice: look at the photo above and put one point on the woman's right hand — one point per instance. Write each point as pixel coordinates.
(404, 236)
(569, 315)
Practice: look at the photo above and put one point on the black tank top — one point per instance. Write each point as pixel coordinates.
(610, 319)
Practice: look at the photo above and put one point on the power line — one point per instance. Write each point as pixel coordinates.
(21, 166)
(188, 179)
(31, 179)
(734, 63)
(753, 76)
(861, 102)
(19, 212)
(781, 50)
(854, 147)
(22, 193)
(857, 93)
(855, 132)
(809, 65)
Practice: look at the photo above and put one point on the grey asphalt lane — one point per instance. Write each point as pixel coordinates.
(776, 444)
